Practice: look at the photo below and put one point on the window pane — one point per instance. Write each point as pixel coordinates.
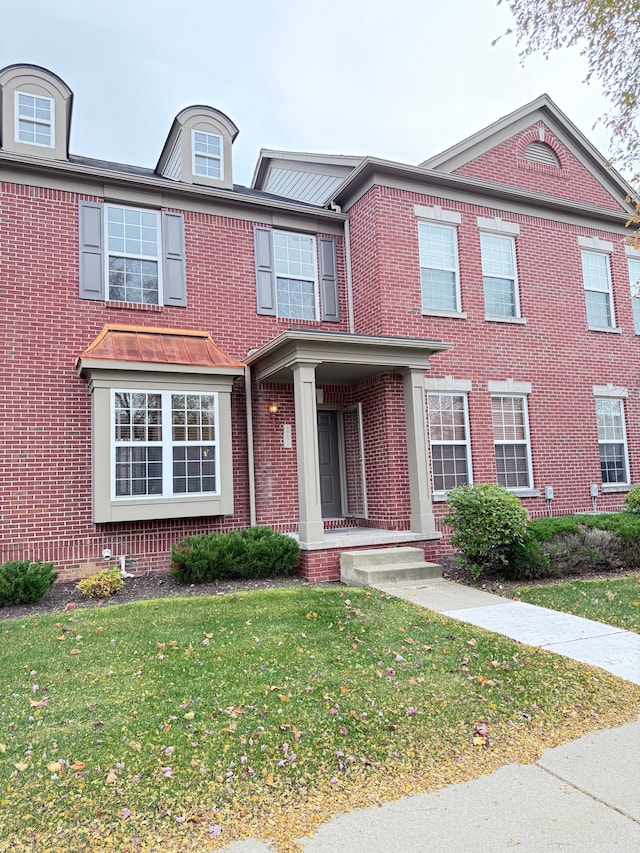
(438, 289)
(508, 418)
(613, 463)
(598, 309)
(133, 280)
(511, 465)
(595, 271)
(499, 297)
(449, 463)
(609, 415)
(497, 256)
(634, 282)
(296, 298)
(194, 469)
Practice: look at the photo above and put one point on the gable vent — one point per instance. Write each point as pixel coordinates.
(540, 152)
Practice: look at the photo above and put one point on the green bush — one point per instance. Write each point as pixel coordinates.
(632, 501)
(625, 524)
(23, 582)
(255, 552)
(102, 584)
(489, 524)
(527, 560)
(544, 528)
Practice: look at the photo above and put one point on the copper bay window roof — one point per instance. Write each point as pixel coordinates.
(147, 345)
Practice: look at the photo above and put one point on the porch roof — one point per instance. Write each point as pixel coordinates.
(340, 357)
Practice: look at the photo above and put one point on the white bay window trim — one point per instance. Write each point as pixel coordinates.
(165, 443)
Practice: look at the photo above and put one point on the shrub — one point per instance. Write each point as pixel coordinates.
(102, 584)
(488, 524)
(23, 582)
(632, 500)
(544, 528)
(256, 552)
(527, 560)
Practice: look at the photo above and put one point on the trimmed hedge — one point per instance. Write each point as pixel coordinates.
(23, 582)
(255, 552)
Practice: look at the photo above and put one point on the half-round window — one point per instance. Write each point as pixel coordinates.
(540, 152)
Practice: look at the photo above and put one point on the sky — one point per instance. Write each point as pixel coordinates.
(402, 80)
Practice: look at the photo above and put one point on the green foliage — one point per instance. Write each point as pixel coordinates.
(488, 524)
(625, 524)
(527, 560)
(255, 552)
(23, 582)
(544, 528)
(632, 500)
(102, 584)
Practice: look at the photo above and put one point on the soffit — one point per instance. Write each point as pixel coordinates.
(341, 358)
(156, 348)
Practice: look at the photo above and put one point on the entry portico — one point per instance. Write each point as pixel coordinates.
(309, 360)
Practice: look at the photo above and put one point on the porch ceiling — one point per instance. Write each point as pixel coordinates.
(341, 358)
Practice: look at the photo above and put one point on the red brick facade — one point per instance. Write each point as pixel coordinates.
(46, 467)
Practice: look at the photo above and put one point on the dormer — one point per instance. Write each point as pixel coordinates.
(35, 112)
(198, 148)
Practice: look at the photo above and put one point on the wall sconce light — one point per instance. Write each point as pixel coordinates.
(273, 408)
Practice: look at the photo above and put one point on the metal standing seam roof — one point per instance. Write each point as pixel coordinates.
(149, 345)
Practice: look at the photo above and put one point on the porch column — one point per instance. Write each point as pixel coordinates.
(311, 528)
(422, 520)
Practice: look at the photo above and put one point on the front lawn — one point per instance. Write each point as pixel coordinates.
(185, 724)
(615, 602)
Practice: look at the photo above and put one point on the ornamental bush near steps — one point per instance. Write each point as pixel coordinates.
(24, 582)
(255, 552)
(491, 529)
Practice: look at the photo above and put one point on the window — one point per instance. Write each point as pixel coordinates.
(165, 444)
(133, 271)
(511, 442)
(207, 154)
(438, 267)
(634, 281)
(597, 289)
(499, 276)
(612, 440)
(449, 437)
(34, 119)
(296, 279)
(132, 255)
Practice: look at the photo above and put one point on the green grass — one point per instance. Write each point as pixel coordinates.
(615, 602)
(184, 724)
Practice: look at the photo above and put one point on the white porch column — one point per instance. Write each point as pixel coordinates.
(422, 520)
(311, 528)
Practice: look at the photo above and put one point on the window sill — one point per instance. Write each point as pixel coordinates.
(437, 312)
(134, 306)
(612, 330)
(612, 488)
(494, 318)
(525, 493)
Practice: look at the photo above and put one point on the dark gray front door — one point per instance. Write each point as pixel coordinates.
(329, 458)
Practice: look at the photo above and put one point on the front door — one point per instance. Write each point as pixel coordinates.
(329, 458)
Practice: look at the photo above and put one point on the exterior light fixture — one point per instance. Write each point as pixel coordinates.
(273, 408)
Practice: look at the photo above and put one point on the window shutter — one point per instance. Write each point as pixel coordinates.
(174, 274)
(328, 280)
(265, 278)
(91, 251)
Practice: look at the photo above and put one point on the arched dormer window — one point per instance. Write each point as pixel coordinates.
(198, 148)
(36, 112)
(541, 153)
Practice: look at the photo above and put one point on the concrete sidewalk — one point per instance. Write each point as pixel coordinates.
(583, 796)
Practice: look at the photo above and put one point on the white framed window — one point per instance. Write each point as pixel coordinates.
(34, 119)
(439, 271)
(596, 275)
(296, 275)
(207, 154)
(511, 441)
(612, 441)
(165, 444)
(499, 276)
(634, 283)
(133, 268)
(448, 419)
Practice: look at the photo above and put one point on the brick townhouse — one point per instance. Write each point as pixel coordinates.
(327, 352)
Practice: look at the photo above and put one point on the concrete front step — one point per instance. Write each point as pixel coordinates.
(386, 565)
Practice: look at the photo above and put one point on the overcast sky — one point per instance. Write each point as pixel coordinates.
(402, 80)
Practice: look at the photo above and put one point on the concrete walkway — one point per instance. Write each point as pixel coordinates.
(582, 797)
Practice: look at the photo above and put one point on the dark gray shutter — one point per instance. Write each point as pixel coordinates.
(265, 278)
(91, 250)
(328, 280)
(174, 273)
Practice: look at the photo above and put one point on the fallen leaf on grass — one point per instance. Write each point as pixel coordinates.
(74, 652)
